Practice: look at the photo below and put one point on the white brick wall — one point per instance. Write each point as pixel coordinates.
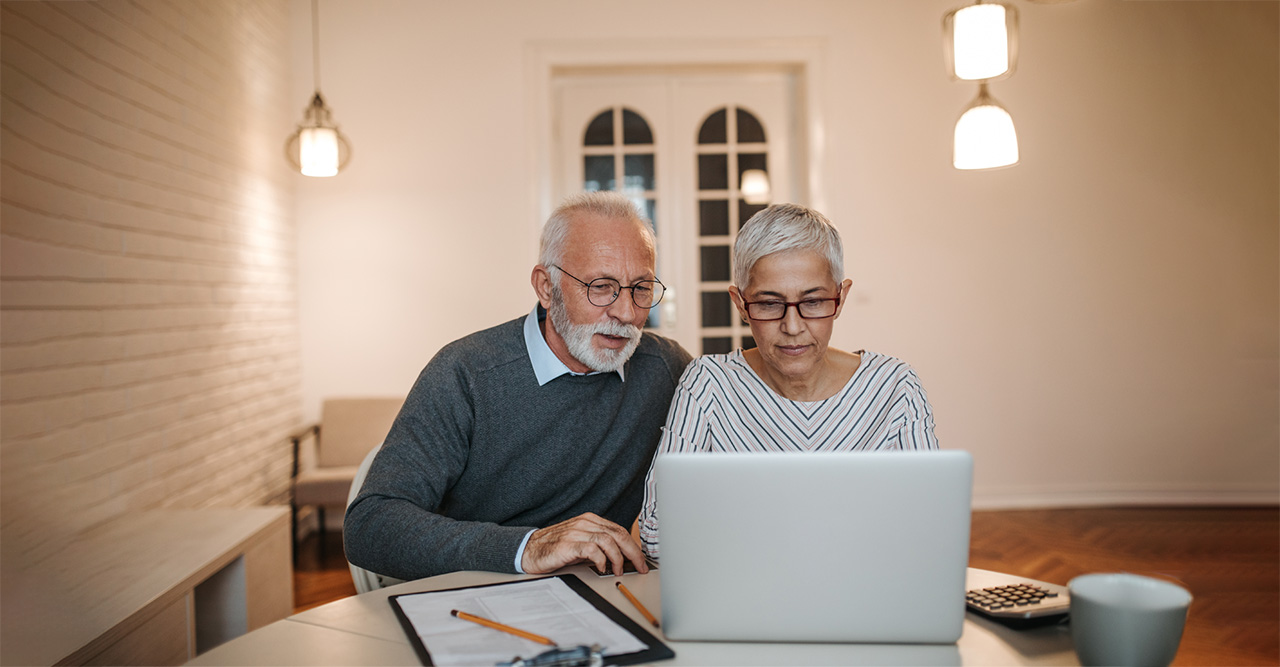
(148, 306)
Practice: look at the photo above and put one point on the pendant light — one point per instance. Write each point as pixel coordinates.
(317, 148)
(984, 137)
(755, 187)
(981, 44)
(981, 41)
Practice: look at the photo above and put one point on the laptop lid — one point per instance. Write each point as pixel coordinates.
(852, 547)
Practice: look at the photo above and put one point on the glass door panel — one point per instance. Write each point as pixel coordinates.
(678, 143)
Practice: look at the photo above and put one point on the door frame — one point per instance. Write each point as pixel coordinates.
(545, 60)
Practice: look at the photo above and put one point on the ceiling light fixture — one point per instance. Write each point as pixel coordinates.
(317, 148)
(985, 138)
(981, 41)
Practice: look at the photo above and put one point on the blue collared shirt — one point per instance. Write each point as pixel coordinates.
(546, 367)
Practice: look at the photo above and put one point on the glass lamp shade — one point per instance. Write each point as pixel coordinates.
(318, 151)
(317, 148)
(755, 186)
(985, 138)
(981, 41)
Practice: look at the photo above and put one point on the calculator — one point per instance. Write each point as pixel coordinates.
(627, 568)
(1007, 598)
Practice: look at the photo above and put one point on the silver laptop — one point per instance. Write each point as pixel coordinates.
(843, 547)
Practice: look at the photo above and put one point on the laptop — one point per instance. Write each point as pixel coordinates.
(814, 547)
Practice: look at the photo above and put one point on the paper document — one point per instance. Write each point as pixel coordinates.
(546, 607)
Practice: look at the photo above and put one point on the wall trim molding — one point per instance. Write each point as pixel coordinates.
(1095, 497)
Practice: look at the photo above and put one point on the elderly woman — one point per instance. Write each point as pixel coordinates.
(792, 392)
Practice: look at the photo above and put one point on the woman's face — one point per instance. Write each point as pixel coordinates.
(793, 346)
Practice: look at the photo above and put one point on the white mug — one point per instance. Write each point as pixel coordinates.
(1126, 619)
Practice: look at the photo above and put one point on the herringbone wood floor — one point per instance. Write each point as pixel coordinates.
(318, 580)
(1229, 558)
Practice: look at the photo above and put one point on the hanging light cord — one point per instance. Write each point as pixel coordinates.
(315, 42)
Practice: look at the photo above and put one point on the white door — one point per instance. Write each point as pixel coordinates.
(677, 142)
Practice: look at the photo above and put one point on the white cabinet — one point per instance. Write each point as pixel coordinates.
(150, 588)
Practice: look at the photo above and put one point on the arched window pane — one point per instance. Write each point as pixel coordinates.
(634, 128)
(713, 172)
(713, 217)
(745, 211)
(752, 161)
(603, 156)
(600, 131)
(721, 163)
(716, 308)
(715, 263)
(713, 129)
(750, 131)
(638, 171)
(597, 172)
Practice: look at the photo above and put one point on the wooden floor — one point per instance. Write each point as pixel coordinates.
(1228, 558)
(318, 580)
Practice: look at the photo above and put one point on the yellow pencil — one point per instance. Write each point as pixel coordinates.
(636, 602)
(505, 628)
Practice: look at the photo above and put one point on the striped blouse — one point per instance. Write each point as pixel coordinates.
(721, 405)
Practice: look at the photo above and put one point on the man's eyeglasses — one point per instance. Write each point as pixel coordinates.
(604, 291)
(809, 309)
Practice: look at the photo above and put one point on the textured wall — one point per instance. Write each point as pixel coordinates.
(149, 327)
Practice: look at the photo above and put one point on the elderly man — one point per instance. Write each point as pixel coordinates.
(523, 448)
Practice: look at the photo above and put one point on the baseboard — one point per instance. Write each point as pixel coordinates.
(1025, 498)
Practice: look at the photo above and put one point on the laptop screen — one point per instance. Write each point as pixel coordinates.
(852, 546)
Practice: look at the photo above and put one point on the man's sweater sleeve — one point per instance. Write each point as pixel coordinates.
(392, 527)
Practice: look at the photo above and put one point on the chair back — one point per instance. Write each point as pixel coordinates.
(348, 425)
(366, 580)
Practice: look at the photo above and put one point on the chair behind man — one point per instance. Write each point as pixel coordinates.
(327, 454)
(366, 580)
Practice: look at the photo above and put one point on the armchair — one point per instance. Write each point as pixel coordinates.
(326, 455)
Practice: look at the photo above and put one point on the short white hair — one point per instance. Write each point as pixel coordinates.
(606, 205)
(786, 227)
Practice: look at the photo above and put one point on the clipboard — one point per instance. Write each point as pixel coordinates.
(656, 651)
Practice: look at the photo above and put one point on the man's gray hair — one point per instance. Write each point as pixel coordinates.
(606, 204)
(786, 227)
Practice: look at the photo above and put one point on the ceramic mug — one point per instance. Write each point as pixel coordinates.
(1127, 619)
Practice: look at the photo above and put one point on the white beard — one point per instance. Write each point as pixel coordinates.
(577, 337)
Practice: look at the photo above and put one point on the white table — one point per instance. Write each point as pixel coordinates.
(363, 630)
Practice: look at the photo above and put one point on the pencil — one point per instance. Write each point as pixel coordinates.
(636, 602)
(505, 628)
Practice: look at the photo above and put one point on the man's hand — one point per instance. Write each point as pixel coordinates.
(584, 537)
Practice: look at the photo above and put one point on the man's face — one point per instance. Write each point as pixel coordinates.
(581, 339)
(598, 338)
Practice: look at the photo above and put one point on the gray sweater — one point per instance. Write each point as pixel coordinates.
(480, 455)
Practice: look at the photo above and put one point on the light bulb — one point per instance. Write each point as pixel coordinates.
(318, 151)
